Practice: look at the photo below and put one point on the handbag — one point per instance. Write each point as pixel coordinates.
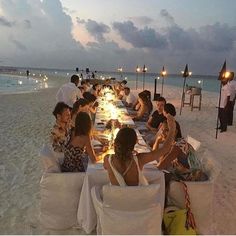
(180, 221)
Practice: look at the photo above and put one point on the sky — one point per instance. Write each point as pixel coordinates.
(107, 34)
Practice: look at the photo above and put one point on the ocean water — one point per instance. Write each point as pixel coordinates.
(207, 83)
(20, 84)
(15, 83)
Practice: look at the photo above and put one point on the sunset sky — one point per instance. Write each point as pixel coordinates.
(106, 34)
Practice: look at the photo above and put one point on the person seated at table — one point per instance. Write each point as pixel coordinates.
(61, 129)
(137, 105)
(157, 117)
(81, 105)
(88, 83)
(93, 104)
(95, 90)
(81, 88)
(116, 88)
(129, 98)
(79, 147)
(180, 150)
(154, 122)
(125, 167)
(168, 109)
(85, 86)
(148, 93)
(121, 94)
(181, 160)
(145, 108)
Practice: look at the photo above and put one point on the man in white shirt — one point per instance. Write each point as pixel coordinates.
(232, 89)
(224, 103)
(129, 99)
(69, 93)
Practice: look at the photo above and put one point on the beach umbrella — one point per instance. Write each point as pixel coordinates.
(185, 73)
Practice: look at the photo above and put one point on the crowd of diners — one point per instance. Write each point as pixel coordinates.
(73, 131)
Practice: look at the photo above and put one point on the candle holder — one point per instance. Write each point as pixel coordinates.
(144, 71)
(138, 69)
(120, 69)
(163, 74)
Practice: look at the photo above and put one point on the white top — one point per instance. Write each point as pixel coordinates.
(130, 98)
(142, 180)
(225, 92)
(68, 94)
(232, 88)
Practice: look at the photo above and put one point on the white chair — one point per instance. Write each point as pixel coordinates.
(128, 210)
(194, 143)
(50, 159)
(60, 194)
(200, 193)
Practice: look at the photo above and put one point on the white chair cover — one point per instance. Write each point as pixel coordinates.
(50, 159)
(194, 143)
(142, 222)
(134, 209)
(201, 195)
(60, 194)
(130, 197)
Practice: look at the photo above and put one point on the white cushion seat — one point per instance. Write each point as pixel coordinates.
(201, 194)
(128, 210)
(60, 194)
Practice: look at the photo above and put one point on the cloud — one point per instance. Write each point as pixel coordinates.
(97, 30)
(18, 44)
(180, 39)
(5, 22)
(140, 38)
(169, 18)
(141, 20)
(27, 24)
(106, 46)
(67, 10)
(80, 21)
(217, 37)
(50, 43)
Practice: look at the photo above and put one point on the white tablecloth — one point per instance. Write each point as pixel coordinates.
(101, 119)
(97, 176)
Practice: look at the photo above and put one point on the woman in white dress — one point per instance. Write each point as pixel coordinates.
(124, 167)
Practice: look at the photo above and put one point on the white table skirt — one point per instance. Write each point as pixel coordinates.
(97, 176)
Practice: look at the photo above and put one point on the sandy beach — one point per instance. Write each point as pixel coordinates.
(26, 120)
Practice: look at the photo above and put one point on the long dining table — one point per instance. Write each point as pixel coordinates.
(97, 176)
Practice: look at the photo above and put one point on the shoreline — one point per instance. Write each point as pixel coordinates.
(57, 80)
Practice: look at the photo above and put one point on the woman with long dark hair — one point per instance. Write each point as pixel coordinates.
(79, 147)
(125, 167)
(145, 108)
